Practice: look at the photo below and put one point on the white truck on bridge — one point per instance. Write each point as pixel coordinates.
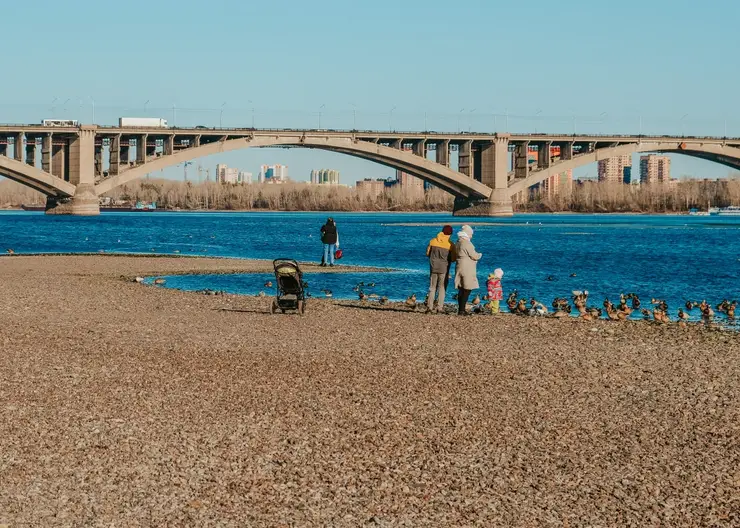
(142, 122)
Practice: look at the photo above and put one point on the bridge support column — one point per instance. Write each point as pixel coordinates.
(46, 153)
(443, 152)
(543, 155)
(98, 161)
(169, 145)
(494, 174)
(521, 160)
(115, 155)
(58, 160)
(31, 151)
(18, 146)
(82, 175)
(141, 149)
(566, 151)
(3, 146)
(465, 159)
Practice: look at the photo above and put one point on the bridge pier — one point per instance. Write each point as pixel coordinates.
(84, 202)
(499, 204)
(493, 161)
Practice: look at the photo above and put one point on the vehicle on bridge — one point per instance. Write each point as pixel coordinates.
(142, 122)
(60, 122)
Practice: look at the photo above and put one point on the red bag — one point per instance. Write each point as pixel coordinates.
(338, 254)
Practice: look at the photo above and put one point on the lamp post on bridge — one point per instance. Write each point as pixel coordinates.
(320, 108)
(250, 102)
(354, 116)
(458, 119)
(93, 108)
(683, 128)
(390, 119)
(221, 116)
(603, 116)
(536, 119)
(470, 120)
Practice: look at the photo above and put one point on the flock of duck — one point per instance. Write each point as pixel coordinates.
(628, 304)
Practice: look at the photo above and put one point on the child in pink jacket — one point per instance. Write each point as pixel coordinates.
(495, 290)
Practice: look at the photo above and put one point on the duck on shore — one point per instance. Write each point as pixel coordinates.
(511, 300)
(411, 301)
(10, 251)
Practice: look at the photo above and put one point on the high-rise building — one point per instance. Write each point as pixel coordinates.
(226, 174)
(325, 177)
(273, 174)
(655, 169)
(617, 169)
(371, 188)
(245, 177)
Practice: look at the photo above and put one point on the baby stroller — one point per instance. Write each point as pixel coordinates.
(291, 294)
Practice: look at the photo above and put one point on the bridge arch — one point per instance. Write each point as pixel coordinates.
(722, 154)
(444, 177)
(35, 178)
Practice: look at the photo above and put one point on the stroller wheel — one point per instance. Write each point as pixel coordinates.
(273, 307)
(301, 307)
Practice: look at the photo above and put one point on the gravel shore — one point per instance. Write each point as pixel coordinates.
(129, 405)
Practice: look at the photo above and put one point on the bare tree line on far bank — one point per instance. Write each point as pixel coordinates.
(586, 197)
(607, 197)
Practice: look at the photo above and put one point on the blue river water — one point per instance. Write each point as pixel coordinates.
(668, 257)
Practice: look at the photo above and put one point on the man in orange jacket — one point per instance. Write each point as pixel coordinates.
(441, 253)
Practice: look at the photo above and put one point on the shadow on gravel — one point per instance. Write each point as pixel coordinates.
(378, 308)
(242, 310)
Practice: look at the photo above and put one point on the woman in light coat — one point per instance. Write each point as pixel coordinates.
(466, 278)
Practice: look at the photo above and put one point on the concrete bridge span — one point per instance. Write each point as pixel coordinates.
(78, 164)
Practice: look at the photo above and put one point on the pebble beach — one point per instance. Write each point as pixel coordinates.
(123, 404)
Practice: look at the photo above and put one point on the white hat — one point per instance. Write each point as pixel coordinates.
(498, 273)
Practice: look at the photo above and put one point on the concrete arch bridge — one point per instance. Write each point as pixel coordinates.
(79, 164)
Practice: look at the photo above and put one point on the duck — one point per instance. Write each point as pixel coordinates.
(511, 300)
(683, 315)
(411, 301)
(261, 294)
(268, 284)
(159, 281)
(722, 307)
(706, 311)
(10, 251)
(371, 285)
(327, 293)
(690, 305)
(537, 308)
(573, 275)
(383, 300)
(476, 300)
(731, 310)
(645, 314)
(521, 307)
(660, 316)
(362, 295)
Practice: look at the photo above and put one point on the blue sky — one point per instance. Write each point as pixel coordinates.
(607, 64)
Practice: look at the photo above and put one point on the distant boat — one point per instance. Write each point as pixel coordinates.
(696, 212)
(733, 210)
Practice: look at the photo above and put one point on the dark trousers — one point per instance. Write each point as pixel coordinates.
(462, 299)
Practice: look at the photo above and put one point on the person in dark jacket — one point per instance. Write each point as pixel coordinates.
(441, 253)
(330, 239)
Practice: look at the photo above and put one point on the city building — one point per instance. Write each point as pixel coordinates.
(557, 184)
(245, 177)
(325, 177)
(273, 174)
(371, 188)
(226, 174)
(617, 169)
(655, 169)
